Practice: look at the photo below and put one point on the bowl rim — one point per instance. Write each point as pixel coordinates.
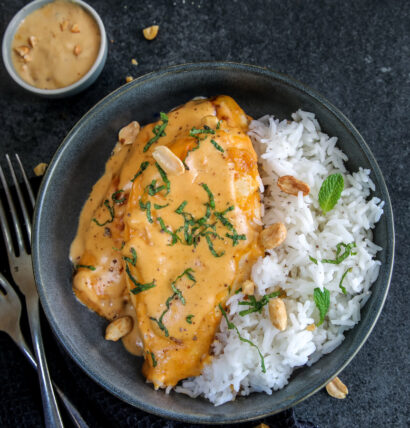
(189, 67)
(13, 26)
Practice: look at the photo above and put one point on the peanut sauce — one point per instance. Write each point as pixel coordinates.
(56, 45)
(174, 332)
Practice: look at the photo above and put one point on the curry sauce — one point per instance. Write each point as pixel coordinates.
(167, 248)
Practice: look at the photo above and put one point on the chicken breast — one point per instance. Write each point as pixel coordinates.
(185, 202)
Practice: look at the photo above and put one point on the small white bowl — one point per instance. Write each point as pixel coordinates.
(76, 87)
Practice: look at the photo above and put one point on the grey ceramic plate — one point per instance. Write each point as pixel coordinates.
(78, 164)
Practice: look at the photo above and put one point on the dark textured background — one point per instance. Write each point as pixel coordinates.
(356, 53)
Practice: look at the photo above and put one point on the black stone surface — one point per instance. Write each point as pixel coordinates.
(356, 53)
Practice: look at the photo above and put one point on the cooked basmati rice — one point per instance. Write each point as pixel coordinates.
(301, 149)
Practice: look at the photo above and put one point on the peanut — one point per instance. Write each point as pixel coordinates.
(277, 313)
(75, 28)
(292, 185)
(77, 50)
(150, 32)
(129, 79)
(168, 161)
(40, 169)
(118, 328)
(22, 50)
(32, 41)
(337, 389)
(128, 134)
(210, 121)
(248, 287)
(273, 236)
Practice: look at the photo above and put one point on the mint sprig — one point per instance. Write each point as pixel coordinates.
(330, 192)
(322, 301)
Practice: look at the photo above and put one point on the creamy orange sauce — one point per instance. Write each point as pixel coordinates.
(56, 45)
(177, 315)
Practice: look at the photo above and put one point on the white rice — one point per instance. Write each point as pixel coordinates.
(297, 148)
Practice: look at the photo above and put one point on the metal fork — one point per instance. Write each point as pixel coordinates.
(22, 272)
(10, 311)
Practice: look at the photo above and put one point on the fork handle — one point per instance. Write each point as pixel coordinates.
(52, 417)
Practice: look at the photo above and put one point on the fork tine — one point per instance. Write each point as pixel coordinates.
(6, 285)
(16, 222)
(27, 183)
(27, 220)
(6, 231)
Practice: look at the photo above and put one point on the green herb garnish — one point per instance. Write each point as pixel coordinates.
(312, 259)
(188, 318)
(180, 209)
(141, 169)
(158, 130)
(159, 207)
(132, 260)
(210, 195)
(322, 301)
(194, 132)
(147, 208)
(211, 247)
(154, 361)
(340, 257)
(218, 125)
(119, 249)
(330, 192)
(342, 279)
(164, 177)
(165, 229)
(139, 287)
(86, 267)
(177, 293)
(239, 290)
(232, 326)
(257, 305)
(110, 210)
(217, 146)
(115, 199)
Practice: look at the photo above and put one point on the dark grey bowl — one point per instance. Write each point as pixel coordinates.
(80, 161)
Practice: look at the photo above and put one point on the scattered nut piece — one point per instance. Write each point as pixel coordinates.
(262, 426)
(27, 58)
(129, 79)
(22, 50)
(210, 121)
(150, 32)
(77, 50)
(337, 389)
(128, 134)
(32, 41)
(292, 185)
(134, 61)
(278, 314)
(40, 169)
(311, 327)
(248, 287)
(273, 236)
(24, 68)
(75, 28)
(118, 328)
(63, 25)
(168, 160)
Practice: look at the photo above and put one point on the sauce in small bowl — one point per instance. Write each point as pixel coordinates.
(55, 48)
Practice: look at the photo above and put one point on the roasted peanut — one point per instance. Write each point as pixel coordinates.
(248, 287)
(22, 50)
(273, 236)
(40, 169)
(118, 328)
(168, 161)
(292, 185)
(210, 121)
(63, 25)
(150, 32)
(128, 134)
(278, 314)
(262, 426)
(129, 79)
(134, 61)
(27, 58)
(311, 327)
(337, 389)
(32, 41)
(75, 28)
(77, 50)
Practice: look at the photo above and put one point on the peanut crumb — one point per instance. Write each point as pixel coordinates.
(40, 169)
(310, 327)
(32, 41)
(134, 61)
(75, 28)
(150, 32)
(77, 50)
(129, 79)
(63, 25)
